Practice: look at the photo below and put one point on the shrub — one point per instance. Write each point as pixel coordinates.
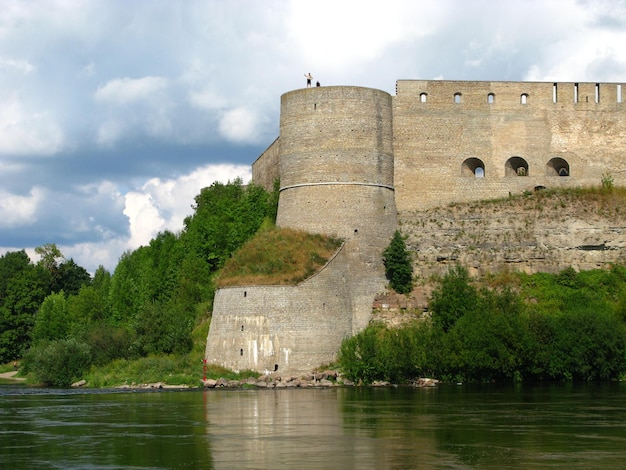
(381, 353)
(164, 329)
(108, 343)
(454, 298)
(607, 182)
(58, 363)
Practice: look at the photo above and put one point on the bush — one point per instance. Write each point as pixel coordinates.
(454, 298)
(571, 329)
(108, 343)
(381, 353)
(58, 363)
(164, 329)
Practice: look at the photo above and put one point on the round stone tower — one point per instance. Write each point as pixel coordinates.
(336, 178)
(336, 164)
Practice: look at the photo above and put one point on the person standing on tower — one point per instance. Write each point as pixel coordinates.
(308, 77)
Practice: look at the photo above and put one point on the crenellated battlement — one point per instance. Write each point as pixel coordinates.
(485, 95)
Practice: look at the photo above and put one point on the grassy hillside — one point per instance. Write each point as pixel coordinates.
(277, 256)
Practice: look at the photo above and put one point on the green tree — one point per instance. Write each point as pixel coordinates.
(164, 329)
(22, 296)
(225, 216)
(49, 254)
(398, 265)
(53, 321)
(71, 278)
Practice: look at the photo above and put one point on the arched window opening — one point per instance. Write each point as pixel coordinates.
(524, 98)
(241, 352)
(516, 166)
(557, 167)
(457, 97)
(491, 98)
(473, 167)
(423, 97)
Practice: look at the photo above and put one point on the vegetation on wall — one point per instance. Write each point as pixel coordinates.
(568, 326)
(277, 256)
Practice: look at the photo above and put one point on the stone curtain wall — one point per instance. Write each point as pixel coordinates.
(434, 134)
(266, 168)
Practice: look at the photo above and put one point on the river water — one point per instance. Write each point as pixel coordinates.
(561, 426)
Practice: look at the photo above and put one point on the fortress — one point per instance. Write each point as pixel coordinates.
(353, 161)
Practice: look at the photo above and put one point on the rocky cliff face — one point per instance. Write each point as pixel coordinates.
(540, 232)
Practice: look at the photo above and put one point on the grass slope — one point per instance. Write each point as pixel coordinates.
(278, 256)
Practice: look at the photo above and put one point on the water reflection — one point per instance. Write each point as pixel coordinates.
(545, 426)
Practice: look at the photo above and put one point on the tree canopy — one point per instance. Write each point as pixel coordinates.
(148, 305)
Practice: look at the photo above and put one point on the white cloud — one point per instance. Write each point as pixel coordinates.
(339, 35)
(138, 107)
(22, 66)
(123, 91)
(17, 211)
(206, 99)
(92, 255)
(144, 218)
(27, 132)
(240, 125)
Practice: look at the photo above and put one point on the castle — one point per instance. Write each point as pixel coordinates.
(352, 161)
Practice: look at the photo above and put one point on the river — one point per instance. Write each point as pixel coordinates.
(542, 426)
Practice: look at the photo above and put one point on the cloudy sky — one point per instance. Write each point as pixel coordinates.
(115, 113)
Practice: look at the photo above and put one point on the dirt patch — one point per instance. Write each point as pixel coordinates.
(10, 375)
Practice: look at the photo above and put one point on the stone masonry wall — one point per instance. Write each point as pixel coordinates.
(537, 122)
(266, 168)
